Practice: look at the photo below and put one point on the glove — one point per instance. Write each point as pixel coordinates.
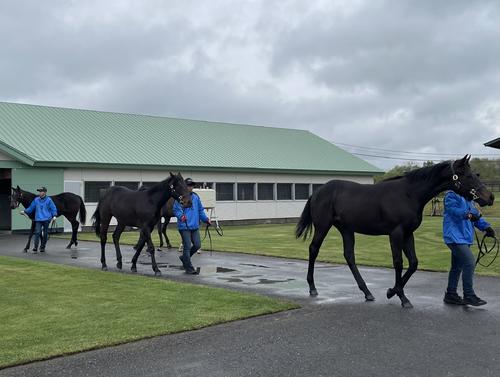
(183, 218)
(489, 232)
(472, 217)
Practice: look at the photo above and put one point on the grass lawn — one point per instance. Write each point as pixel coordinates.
(279, 241)
(50, 310)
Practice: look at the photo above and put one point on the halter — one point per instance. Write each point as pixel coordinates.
(174, 193)
(458, 184)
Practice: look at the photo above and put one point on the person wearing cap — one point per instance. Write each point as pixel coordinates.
(459, 219)
(188, 224)
(45, 211)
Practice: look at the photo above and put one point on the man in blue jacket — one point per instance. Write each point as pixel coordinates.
(45, 211)
(460, 217)
(188, 224)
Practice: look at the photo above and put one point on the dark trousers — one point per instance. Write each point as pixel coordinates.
(41, 227)
(191, 243)
(464, 263)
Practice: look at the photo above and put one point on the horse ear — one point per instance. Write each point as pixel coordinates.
(18, 188)
(468, 158)
(172, 174)
(462, 161)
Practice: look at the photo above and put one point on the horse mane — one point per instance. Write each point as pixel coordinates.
(425, 173)
(158, 187)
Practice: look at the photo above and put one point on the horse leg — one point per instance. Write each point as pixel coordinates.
(116, 240)
(164, 230)
(397, 242)
(138, 249)
(146, 230)
(159, 225)
(411, 255)
(32, 230)
(104, 239)
(74, 230)
(319, 236)
(348, 240)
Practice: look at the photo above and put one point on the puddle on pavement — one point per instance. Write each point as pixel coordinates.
(270, 281)
(224, 269)
(254, 265)
(232, 280)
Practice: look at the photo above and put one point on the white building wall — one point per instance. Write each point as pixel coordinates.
(225, 210)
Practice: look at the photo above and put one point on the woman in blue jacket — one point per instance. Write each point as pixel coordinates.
(460, 217)
(188, 224)
(45, 211)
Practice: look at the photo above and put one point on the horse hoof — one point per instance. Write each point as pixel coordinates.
(390, 293)
(25, 250)
(169, 247)
(119, 265)
(76, 243)
(104, 268)
(133, 269)
(369, 297)
(68, 247)
(313, 292)
(158, 249)
(407, 305)
(158, 273)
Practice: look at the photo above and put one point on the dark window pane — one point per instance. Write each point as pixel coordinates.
(246, 191)
(265, 191)
(128, 184)
(301, 191)
(284, 191)
(316, 187)
(94, 190)
(224, 191)
(209, 185)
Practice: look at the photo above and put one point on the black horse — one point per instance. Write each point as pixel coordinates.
(67, 204)
(167, 212)
(392, 207)
(138, 208)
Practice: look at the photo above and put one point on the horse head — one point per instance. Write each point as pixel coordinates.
(179, 190)
(15, 197)
(467, 184)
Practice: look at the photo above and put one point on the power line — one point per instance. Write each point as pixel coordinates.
(397, 158)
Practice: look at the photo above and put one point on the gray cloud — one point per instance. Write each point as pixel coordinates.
(405, 75)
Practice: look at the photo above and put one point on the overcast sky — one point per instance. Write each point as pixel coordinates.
(420, 76)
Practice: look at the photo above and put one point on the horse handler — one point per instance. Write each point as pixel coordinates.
(45, 212)
(188, 224)
(460, 217)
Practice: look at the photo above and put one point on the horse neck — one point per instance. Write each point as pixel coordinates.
(27, 198)
(161, 193)
(425, 190)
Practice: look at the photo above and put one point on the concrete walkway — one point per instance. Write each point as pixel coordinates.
(336, 333)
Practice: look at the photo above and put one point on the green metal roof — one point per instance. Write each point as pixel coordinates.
(52, 136)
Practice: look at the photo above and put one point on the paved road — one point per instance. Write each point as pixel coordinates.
(336, 334)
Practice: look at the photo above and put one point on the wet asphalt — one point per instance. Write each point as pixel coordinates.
(334, 334)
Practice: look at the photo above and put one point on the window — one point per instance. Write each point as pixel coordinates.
(224, 191)
(316, 187)
(284, 191)
(208, 185)
(301, 191)
(265, 191)
(129, 185)
(95, 190)
(246, 191)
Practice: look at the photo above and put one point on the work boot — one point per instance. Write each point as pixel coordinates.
(453, 299)
(181, 257)
(35, 250)
(192, 271)
(473, 300)
(42, 250)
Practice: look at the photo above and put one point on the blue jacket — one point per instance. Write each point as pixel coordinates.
(193, 214)
(45, 209)
(456, 227)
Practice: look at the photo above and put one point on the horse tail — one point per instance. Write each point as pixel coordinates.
(96, 221)
(83, 212)
(304, 226)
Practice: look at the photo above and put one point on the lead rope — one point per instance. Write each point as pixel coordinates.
(484, 250)
(219, 231)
